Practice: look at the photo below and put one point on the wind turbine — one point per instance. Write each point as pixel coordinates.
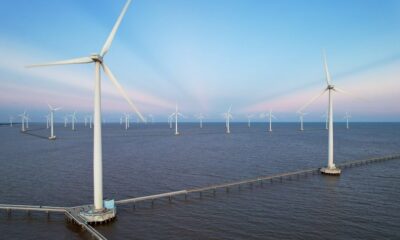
(269, 116)
(330, 88)
(325, 115)
(90, 121)
(73, 119)
(249, 117)
(11, 118)
(120, 120)
(65, 121)
(347, 116)
(176, 114)
(47, 121)
(170, 121)
(52, 110)
(27, 118)
(228, 116)
(85, 119)
(200, 117)
(99, 212)
(127, 120)
(301, 115)
(23, 119)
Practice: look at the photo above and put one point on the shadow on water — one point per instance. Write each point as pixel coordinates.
(29, 132)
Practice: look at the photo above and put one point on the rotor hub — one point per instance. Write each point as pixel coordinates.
(331, 86)
(97, 58)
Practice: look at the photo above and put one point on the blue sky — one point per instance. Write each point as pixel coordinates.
(204, 55)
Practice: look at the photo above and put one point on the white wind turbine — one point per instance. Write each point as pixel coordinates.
(170, 121)
(11, 118)
(47, 121)
(325, 115)
(27, 118)
(23, 119)
(98, 211)
(347, 116)
(200, 117)
(330, 88)
(249, 117)
(176, 114)
(301, 115)
(85, 119)
(73, 119)
(120, 120)
(52, 110)
(127, 120)
(269, 117)
(65, 121)
(228, 116)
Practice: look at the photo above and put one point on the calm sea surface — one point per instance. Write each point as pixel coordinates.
(363, 203)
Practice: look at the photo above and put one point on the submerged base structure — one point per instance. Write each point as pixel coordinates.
(95, 216)
(331, 171)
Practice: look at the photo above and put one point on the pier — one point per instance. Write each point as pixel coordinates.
(72, 213)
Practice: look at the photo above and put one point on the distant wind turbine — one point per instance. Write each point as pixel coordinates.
(249, 117)
(23, 119)
(65, 121)
(73, 119)
(301, 115)
(11, 118)
(47, 121)
(170, 121)
(325, 115)
(269, 117)
(330, 88)
(151, 117)
(52, 110)
(228, 116)
(99, 212)
(176, 114)
(200, 116)
(347, 116)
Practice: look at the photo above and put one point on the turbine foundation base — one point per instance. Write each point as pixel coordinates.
(94, 216)
(52, 138)
(331, 171)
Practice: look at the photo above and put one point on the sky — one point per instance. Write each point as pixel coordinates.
(205, 56)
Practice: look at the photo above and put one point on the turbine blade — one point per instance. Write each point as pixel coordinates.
(312, 100)
(63, 62)
(51, 108)
(110, 38)
(328, 76)
(121, 90)
(339, 90)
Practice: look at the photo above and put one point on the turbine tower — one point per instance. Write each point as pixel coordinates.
(301, 115)
(325, 115)
(228, 116)
(249, 117)
(65, 121)
(269, 116)
(347, 116)
(73, 119)
(330, 88)
(11, 118)
(170, 121)
(23, 119)
(47, 121)
(200, 117)
(176, 114)
(98, 213)
(52, 110)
